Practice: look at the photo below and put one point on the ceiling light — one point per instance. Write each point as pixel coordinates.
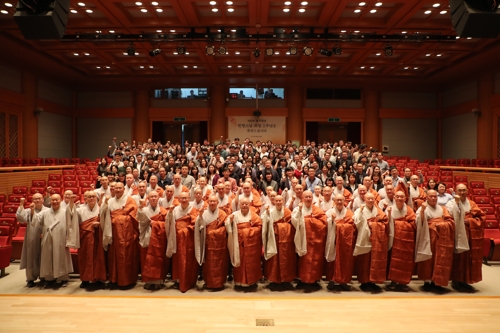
(286, 10)
(428, 12)
(108, 67)
(372, 67)
(154, 3)
(229, 66)
(151, 66)
(443, 12)
(277, 52)
(237, 52)
(154, 52)
(302, 10)
(327, 66)
(172, 30)
(159, 10)
(187, 53)
(233, 30)
(229, 3)
(378, 4)
(307, 50)
(325, 52)
(138, 3)
(222, 50)
(469, 37)
(111, 31)
(144, 10)
(76, 54)
(436, 5)
(378, 54)
(293, 50)
(81, 4)
(319, 66)
(158, 30)
(388, 51)
(185, 66)
(337, 50)
(215, 10)
(98, 67)
(74, 11)
(362, 67)
(304, 3)
(356, 31)
(415, 67)
(287, 53)
(438, 55)
(210, 50)
(284, 66)
(213, 3)
(357, 10)
(86, 54)
(195, 66)
(404, 32)
(230, 10)
(141, 66)
(362, 3)
(457, 37)
(269, 52)
(373, 11)
(428, 55)
(256, 53)
(239, 66)
(181, 49)
(175, 53)
(343, 31)
(8, 4)
(274, 66)
(407, 67)
(89, 11)
(288, 3)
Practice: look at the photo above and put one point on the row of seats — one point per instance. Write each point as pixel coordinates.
(465, 162)
(18, 162)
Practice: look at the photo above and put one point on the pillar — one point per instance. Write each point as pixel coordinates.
(371, 126)
(485, 121)
(295, 120)
(74, 125)
(30, 120)
(141, 116)
(218, 119)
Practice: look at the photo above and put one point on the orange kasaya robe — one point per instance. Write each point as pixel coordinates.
(91, 256)
(216, 255)
(184, 189)
(341, 270)
(402, 262)
(184, 265)
(256, 204)
(467, 266)
(311, 265)
(207, 195)
(227, 207)
(123, 254)
(372, 266)
(282, 267)
(442, 237)
(376, 195)
(154, 262)
(250, 247)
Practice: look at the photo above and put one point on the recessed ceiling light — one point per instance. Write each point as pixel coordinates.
(436, 5)
(111, 31)
(76, 54)
(428, 12)
(415, 67)
(377, 54)
(438, 55)
(151, 66)
(357, 10)
(213, 3)
(404, 32)
(81, 4)
(89, 11)
(138, 3)
(362, 67)
(108, 67)
(284, 66)
(304, 3)
(287, 53)
(469, 37)
(159, 10)
(229, 66)
(230, 10)
(378, 4)
(158, 30)
(137, 53)
(319, 66)
(98, 67)
(175, 52)
(457, 37)
(154, 3)
(288, 3)
(302, 10)
(172, 30)
(277, 52)
(215, 10)
(343, 31)
(185, 66)
(239, 66)
(98, 32)
(187, 53)
(237, 52)
(356, 31)
(8, 4)
(141, 66)
(372, 67)
(229, 3)
(274, 66)
(362, 3)
(407, 67)
(443, 12)
(373, 11)
(144, 10)
(86, 54)
(327, 66)
(286, 10)
(233, 30)
(74, 11)
(195, 66)
(428, 55)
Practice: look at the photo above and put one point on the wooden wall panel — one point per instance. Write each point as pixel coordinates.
(11, 179)
(489, 179)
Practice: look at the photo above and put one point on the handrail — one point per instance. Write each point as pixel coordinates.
(463, 168)
(35, 168)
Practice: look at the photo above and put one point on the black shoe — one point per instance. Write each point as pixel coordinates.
(345, 287)
(364, 287)
(391, 286)
(331, 285)
(427, 287)
(84, 284)
(466, 286)
(217, 289)
(230, 278)
(31, 284)
(403, 288)
(311, 287)
(456, 285)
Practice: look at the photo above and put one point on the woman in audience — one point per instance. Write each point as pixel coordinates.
(131, 162)
(325, 174)
(102, 168)
(443, 196)
(351, 183)
(431, 185)
(268, 181)
(194, 172)
(341, 172)
(298, 171)
(203, 168)
(212, 175)
(377, 182)
(329, 182)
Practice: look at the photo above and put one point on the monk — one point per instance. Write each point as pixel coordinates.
(359, 201)
(383, 191)
(326, 203)
(402, 261)
(178, 187)
(371, 245)
(310, 240)
(30, 257)
(388, 200)
(223, 200)
(153, 186)
(141, 192)
(296, 198)
(340, 245)
(206, 190)
(198, 203)
(278, 233)
(416, 194)
(169, 201)
(180, 243)
(244, 228)
(91, 255)
(211, 244)
(118, 214)
(469, 232)
(340, 189)
(436, 269)
(368, 183)
(246, 192)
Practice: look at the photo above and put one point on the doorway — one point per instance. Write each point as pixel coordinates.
(179, 132)
(332, 132)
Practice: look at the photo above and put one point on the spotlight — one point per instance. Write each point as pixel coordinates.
(210, 50)
(325, 52)
(293, 50)
(181, 49)
(222, 50)
(256, 53)
(337, 50)
(154, 52)
(388, 51)
(307, 50)
(131, 50)
(269, 52)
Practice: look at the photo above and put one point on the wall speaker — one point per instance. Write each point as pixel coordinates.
(45, 20)
(477, 19)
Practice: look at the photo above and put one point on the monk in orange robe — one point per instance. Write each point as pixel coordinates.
(153, 241)
(168, 201)
(223, 200)
(371, 244)
(206, 190)
(178, 187)
(340, 189)
(280, 265)
(119, 214)
(310, 239)
(91, 256)
(180, 243)
(210, 240)
(246, 192)
(402, 262)
(244, 242)
(340, 244)
(436, 270)
(469, 232)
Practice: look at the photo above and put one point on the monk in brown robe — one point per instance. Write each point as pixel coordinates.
(223, 200)
(436, 270)
(278, 233)
(153, 241)
(91, 256)
(119, 213)
(246, 192)
(416, 195)
(402, 262)
(371, 244)
(169, 201)
(310, 239)
(340, 244)
(469, 232)
(178, 187)
(340, 189)
(244, 229)
(180, 246)
(211, 245)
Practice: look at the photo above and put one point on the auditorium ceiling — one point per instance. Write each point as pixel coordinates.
(87, 60)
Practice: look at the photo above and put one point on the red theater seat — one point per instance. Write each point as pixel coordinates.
(491, 248)
(19, 190)
(38, 183)
(9, 222)
(69, 177)
(460, 179)
(85, 183)
(476, 184)
(75, 160)
(63, 161)
(50, 161)
(54, 183)
(34, 190)
(84, 177)
(479, 191)
(5, 248)
(494, 191)
(70, 183)
(55, 176)
(482, 200)
(68, 172)
(16, 198)
(17, 242)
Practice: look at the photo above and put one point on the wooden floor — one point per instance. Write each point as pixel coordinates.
(65, 313)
